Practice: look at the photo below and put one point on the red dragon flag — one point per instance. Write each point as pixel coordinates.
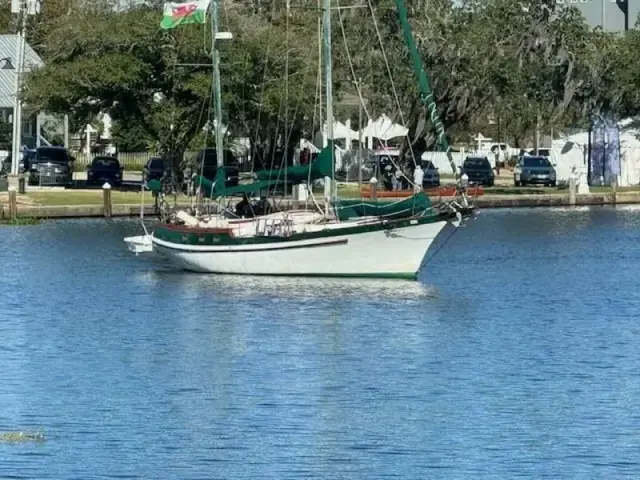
(176, 14)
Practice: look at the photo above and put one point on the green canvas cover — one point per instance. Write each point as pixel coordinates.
(269, 179)
(297, 174)
(414, 205)
(216, 189)
(155, 186)
(209, 188)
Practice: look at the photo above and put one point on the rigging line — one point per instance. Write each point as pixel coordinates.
(299, 100)
(273, 149)
(393, 85)
(353, 73)
(285, 159)
(206, 139)
(257, 124)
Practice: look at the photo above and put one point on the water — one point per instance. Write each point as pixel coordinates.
(517, 356)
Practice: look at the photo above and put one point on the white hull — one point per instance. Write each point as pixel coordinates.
(381, 253)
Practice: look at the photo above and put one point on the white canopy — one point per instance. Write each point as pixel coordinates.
(304, 143)
(340, 130)
(384, 129)
(572, 151)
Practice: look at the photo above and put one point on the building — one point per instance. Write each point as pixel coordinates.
(8, 72)
(619, 15)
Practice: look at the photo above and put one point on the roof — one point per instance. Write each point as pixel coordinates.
(8, 47)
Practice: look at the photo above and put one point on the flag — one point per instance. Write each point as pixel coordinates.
(176, 14)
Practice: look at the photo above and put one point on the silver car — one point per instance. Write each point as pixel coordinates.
(534, 170)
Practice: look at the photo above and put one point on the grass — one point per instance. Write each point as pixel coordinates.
(523, 191)
(94, 197)
(20, 221)
(552, 190)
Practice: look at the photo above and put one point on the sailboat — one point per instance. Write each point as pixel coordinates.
(349, 239)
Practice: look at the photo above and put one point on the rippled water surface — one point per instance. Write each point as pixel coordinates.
(516, 356)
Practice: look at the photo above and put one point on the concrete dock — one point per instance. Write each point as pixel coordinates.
(481, 202)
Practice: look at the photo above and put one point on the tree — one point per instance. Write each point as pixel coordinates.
(516, 61)
(121, 63)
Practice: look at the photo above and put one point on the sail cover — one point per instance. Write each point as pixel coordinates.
(296, 174)
(414, 205)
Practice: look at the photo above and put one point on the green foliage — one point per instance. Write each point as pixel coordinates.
(511, 60)
(6, 130)
(18, 221)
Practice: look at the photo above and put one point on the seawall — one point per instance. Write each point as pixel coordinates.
(481, 202)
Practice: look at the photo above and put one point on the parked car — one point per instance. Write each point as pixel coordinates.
(105, 170)
(167, 169)
(542, 152)
(51, 166)
(153, 170)
(5, 168)
(536, 170)
(431, 174)
(479, 171)
(206, 164)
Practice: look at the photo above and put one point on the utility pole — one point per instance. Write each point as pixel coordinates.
(603, 14)
(18, 7)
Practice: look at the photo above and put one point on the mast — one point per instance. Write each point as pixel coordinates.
(329, 186)
(426, 95)
(216, 83)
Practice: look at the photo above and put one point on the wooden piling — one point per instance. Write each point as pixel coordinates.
(106, 197)
(572, 190)
(13, 203)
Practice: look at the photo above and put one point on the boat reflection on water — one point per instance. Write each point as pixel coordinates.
(294, 288)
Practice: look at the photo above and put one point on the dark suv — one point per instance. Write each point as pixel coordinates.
(207, 165)
(431, 176)
(51, 166)
(479, 171)
(166, 168)
(105, 169)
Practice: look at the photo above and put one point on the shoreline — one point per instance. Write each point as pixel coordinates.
(486, 201)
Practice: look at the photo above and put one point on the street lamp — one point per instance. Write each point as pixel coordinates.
(8, 65)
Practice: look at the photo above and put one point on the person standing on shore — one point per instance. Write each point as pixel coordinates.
(397, 182)
(418, 176)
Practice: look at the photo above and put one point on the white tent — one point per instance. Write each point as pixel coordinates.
(568, 153)
(573, 151)
(384, 129)
(304, 143)
(629, 159)
(340, 131)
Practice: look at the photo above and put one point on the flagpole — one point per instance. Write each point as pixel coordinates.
(216, 79)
